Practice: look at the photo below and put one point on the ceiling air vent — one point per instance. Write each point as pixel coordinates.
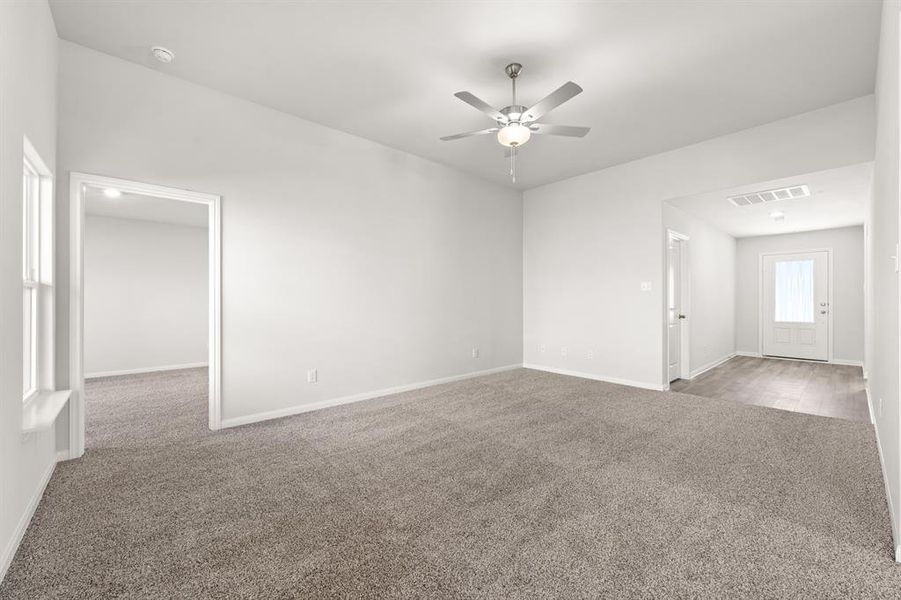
(788, 193)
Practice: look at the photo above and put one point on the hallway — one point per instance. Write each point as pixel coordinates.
(827, 390)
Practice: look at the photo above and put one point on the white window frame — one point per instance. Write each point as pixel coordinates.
(37, 272)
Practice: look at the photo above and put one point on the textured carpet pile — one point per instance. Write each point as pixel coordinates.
(516, 485)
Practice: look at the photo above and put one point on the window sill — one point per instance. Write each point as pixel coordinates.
(40, 412)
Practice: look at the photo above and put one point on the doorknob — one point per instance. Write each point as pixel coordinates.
(682, 317)
(822, 312)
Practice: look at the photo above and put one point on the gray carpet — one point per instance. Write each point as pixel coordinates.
(517, 485)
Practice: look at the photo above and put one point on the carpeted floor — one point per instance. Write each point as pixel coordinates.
(517, 485)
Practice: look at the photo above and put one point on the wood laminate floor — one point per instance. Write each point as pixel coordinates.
(805, 387)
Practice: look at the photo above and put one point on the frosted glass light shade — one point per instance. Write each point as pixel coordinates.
(513, 135)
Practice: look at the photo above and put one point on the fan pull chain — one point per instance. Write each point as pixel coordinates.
(513, 164)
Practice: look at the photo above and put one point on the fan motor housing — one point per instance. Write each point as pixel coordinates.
(513, 112)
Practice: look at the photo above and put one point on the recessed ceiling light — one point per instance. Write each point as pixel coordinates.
(112, 193)
(164, 55)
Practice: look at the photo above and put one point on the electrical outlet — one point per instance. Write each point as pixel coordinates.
(645, 286)
(590, 355)
(312, 376)
(564, 351)
(475, 352)
(541, 347)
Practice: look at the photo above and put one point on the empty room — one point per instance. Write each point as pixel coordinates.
(450, 299)
(146, 313)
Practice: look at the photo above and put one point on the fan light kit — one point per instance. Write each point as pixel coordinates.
(516, 123)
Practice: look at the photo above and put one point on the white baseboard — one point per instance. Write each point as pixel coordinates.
(888, 492)
(639, 384)
(22, 526)
(145, 370)
(711, 365)
(63, 455)
(746, 353)
(844, 361)
(296, 410)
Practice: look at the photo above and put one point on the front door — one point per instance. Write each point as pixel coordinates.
(796, 305)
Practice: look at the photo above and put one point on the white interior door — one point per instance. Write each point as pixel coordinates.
(674, 308)
(796, 305)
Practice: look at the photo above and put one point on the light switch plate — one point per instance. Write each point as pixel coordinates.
(645, 286)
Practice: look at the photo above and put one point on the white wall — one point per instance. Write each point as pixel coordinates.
(28, 63)
(591, 240)
(847, 286)
(882, 347)
(145, 295)
(711, 311)
(371, 265)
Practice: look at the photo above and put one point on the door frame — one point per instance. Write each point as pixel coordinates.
(684, 300)
(829, 289)
(77, 184)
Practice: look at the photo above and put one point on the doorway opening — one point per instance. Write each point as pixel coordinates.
(677, 300)
(153, 308)
(778, 292)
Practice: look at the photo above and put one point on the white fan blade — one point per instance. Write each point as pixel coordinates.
(448, 138)
(481, 105)
(551, 101)
(567, 130)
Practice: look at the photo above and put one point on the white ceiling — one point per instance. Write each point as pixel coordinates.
(837, 199)
(145, 208)
(657, 75)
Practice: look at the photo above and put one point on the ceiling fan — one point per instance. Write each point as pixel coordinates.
(516, 123)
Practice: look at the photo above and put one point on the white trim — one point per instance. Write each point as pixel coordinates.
(62, 455)
(303, 408)
(44, 286)
(866, 389)
(34, 157)
(846, 361)
(77, 183)
(22, 526)
(712, 365)
(638, 384)
(888, 490)
(746, 353)
(685, 302)
(39, 413)
(145, 370)
(829, 293)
